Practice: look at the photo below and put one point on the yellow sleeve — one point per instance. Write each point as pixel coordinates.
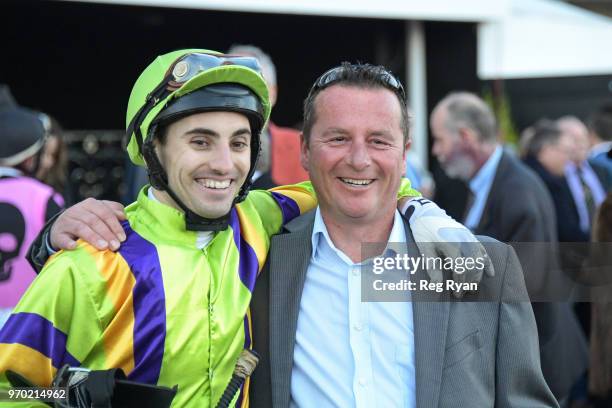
(54, 323)
(279, 205)
(267, 211)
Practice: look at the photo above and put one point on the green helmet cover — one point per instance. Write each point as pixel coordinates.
(155, 73)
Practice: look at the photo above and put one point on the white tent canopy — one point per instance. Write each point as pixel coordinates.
(516, 38)
(545, 38)
(444, 10)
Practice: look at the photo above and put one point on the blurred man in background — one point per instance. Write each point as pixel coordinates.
(279, 162)
(510, 203)
(587, 183)
(548, 153)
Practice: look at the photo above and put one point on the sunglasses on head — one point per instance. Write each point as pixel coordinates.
(337, 74)
(181, 71)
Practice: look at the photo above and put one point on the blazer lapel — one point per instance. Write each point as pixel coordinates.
(430, 319)
(493, 192)
(289, 259)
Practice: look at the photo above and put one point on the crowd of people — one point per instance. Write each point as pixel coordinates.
(202, 264)
(551, 191)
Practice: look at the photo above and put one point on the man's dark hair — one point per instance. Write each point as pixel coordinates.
(545, 133)
(366, 76)
(600, 122)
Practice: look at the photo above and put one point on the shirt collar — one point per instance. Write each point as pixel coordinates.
(320, 236)
(169, 222)
(486, 173)
(599, 148)
(10, 172)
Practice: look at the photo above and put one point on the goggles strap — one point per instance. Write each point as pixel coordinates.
(152, 99)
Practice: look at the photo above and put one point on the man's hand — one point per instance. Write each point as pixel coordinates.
(438, 235)
(97, 222)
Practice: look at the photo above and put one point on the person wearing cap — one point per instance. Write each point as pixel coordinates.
(25, 203)
(171, 306)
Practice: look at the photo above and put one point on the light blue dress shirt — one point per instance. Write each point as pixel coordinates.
(600, 150)
(349, 353)
(480, 185)
(599, 155)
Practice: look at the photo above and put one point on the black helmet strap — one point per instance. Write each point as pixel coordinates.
(152, 99)
(158, 176)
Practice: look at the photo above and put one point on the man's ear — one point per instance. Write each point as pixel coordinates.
(159, 150)
(273, 93)
(405, 155)
(468, 136)
(304, 152)
(28, 164)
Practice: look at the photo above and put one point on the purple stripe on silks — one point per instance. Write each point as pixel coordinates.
(38, 333)
(247, 333)
(289, 208)
(248, 265)
(149, 306)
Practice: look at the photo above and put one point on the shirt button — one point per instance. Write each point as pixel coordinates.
(358, 327)
(363, 382)
(355, 271)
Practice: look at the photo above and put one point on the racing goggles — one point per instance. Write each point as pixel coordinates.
(190, 65)
(338, 74)
(181, 71)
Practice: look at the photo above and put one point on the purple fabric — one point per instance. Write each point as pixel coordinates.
(248, 265)
(247, 333)
(289, 208)
(38, 333)
(240, 396)
(149, 306)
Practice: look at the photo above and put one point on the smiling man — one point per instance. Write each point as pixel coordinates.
(205, 174)
(321, 345)
(355, 176)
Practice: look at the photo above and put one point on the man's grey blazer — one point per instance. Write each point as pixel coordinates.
(468, 354)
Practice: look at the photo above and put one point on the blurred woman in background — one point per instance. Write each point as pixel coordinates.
(53, 167)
